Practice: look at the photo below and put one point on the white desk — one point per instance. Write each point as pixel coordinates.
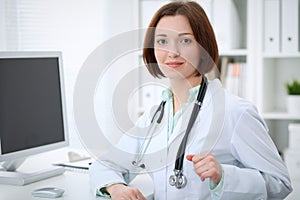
(75, 183)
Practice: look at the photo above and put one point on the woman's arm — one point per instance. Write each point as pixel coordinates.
(260, 173)
(115, 167)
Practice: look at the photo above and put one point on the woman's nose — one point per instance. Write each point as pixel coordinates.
(173, 51)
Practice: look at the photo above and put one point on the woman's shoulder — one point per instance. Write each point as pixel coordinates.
(238, 104)
(233, 103)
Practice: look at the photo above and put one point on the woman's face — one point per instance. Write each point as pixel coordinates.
(176, 49)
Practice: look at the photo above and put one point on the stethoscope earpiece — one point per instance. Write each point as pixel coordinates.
(135, 163)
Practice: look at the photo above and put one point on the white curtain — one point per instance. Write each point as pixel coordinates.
(73, 27)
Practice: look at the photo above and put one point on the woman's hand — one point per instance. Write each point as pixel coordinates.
(206, 166)
(123, 192)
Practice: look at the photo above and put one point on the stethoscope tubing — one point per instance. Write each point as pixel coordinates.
(178, 179)
(194, 114)
(150, 132)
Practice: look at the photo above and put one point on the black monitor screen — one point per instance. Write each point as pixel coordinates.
(30, 103)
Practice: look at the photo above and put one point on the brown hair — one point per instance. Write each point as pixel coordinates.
(202, 30)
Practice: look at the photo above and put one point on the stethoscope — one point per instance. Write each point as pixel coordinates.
(178, 179)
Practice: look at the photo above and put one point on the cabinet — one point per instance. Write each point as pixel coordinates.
(275, 68)
(267, 71)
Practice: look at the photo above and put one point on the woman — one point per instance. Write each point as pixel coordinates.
(240, 162)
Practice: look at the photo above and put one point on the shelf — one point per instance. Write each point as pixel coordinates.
(281, 55)
(280, 116)
(234, 52)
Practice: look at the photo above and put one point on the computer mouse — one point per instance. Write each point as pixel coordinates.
(48, 192)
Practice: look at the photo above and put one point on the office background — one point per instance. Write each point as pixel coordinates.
(258, 38)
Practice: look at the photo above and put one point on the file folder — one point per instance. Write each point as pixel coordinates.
(227, 24)
(272, 25)
(290, 26)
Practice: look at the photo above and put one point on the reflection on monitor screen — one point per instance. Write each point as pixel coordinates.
(32, 111)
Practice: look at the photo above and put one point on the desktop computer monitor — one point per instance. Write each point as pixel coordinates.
(32, 112)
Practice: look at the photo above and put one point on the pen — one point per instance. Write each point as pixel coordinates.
(71, 166)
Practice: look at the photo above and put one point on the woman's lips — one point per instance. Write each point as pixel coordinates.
(174, 64)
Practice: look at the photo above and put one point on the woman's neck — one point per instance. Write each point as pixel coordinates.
(180, 89)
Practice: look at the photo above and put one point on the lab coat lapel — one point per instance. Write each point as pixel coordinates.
(156, 155)
(181, 125)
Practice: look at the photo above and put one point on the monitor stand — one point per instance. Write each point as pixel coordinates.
(10, 176)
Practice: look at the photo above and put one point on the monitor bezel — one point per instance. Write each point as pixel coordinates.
(49, 147)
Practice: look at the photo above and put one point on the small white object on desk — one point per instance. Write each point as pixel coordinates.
(48, 192)
(75, 156)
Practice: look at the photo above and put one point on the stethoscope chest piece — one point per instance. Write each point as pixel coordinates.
(178, 179)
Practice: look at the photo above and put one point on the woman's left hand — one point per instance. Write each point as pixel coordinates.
(206, 166)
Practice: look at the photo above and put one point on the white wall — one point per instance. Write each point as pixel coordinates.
(2, 24)
(75, 27)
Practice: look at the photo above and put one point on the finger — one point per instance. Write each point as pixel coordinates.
(200, 168)
(206, 164)
(201, 156)
(190, 157)
(204, 159)
(197, 157)
(209, 163)
(210, 173)
(140, 196)
(204, 175)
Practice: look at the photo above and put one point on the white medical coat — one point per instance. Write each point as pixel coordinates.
(251, 164)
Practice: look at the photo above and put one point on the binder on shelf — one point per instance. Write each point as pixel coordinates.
(227, 24)
(272, 25)
(290, 26)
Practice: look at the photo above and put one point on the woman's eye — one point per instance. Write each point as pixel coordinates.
(161, 41)
(186, 41)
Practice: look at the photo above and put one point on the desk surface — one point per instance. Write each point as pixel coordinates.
(75, 183)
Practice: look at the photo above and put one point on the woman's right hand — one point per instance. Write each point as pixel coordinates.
(123, 192)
